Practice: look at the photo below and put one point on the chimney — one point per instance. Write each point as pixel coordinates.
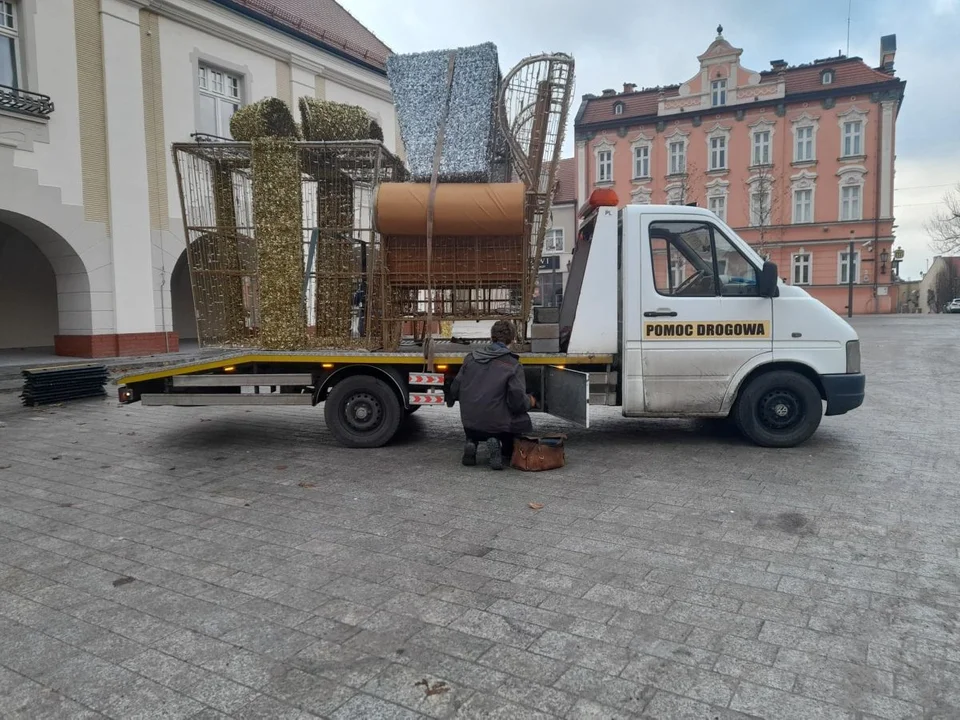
(609, 92)
(629, 87)
(888, 51)
(588, 96)
(778, 64)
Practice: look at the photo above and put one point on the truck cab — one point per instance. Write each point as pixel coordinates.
(702, 326)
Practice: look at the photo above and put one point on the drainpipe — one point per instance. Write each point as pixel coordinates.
(876, 208)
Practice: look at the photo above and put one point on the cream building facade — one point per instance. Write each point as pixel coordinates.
(92, 95)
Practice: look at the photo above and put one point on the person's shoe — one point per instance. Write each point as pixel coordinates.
(496, 458)
(470, 454)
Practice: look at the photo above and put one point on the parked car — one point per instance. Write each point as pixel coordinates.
(953, 306)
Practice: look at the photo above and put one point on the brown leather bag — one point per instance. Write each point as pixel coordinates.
(532, 453)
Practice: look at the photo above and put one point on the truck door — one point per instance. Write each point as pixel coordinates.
(701, 316)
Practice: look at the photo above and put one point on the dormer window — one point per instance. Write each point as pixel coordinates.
(827, 77)
(719, 93)
(618, 108)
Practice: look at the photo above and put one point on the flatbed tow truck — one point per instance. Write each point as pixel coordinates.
(668, 313)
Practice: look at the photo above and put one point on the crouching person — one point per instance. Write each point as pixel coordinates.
(492, 391)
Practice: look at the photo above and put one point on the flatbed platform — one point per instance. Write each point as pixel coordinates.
(445, 353)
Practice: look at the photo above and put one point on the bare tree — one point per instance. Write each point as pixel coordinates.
(944, 227)
(686, 188)
(945, 285)
(763, 203)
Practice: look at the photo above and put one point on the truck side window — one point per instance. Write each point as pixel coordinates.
(693, 259)
(736, 275)
(682, 259)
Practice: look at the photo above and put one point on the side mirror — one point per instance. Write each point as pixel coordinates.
(767, 280)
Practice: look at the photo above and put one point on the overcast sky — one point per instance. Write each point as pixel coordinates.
(620, 41)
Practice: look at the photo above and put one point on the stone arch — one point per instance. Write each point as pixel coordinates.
(35, 262)
(227, 283)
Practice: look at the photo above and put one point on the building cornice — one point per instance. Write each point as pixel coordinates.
(895, 90)
(254, 38)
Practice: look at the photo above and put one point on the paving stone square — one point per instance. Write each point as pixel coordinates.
(207, 562)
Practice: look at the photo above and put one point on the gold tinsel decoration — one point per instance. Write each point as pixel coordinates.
(337, 267)
(277, 218)
(269, 117)
(322, 120)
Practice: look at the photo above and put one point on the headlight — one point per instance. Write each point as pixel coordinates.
(853, 356)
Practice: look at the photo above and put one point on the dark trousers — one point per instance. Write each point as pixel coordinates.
(506, 440)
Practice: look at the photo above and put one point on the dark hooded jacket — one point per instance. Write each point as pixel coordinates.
(492, 392)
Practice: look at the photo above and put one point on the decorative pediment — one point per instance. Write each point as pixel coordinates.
(604, 143)
(720, 49)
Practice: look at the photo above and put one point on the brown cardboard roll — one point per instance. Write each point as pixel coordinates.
(460, 209)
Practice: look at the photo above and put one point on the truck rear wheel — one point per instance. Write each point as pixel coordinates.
(362, 412)
(778, 409)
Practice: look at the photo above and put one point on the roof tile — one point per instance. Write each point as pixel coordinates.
(326, 21)
(566, 182)
(850, 72)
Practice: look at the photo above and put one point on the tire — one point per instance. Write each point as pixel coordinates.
(778, 409)
(362, 412)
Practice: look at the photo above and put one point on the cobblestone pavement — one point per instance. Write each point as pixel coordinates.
(202, 563)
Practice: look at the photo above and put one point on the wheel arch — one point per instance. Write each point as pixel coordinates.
(393, 377)
(749, 373)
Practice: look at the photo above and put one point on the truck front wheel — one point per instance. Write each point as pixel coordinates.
(778, 409)
(362, 412)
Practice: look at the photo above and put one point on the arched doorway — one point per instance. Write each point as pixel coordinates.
(44, 286)
(28, 294)
(181, 303)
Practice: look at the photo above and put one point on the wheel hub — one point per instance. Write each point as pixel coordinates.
(780, 409)
(363, 412)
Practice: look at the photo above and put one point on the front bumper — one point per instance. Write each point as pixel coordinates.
(844, 392)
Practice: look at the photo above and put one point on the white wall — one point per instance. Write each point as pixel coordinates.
(57, 163)
(28, 293)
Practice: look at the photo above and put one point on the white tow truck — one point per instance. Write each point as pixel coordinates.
(667, 313)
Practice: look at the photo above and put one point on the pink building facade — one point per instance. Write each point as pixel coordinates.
(798, 160)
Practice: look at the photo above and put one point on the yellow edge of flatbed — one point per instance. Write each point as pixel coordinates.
(384, 359)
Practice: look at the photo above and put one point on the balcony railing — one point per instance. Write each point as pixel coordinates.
(24, 102)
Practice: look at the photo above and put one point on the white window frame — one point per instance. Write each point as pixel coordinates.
(605, 165)
(762, 141)
(553, 249)
(718, 202)
(804, 143)
(603, 158)
(718, 152)
(804, 122)
(13, 31)
(207, 87)
(842, 265)
(682, 138)
(851, 215)
(801, 260)
(618, 108)
(718, 92)
(852, 140)
(848, 122)
(722, 153)
(677, 268)
(827, 77)
(800, 217)
(718, 194)
(641, 160)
